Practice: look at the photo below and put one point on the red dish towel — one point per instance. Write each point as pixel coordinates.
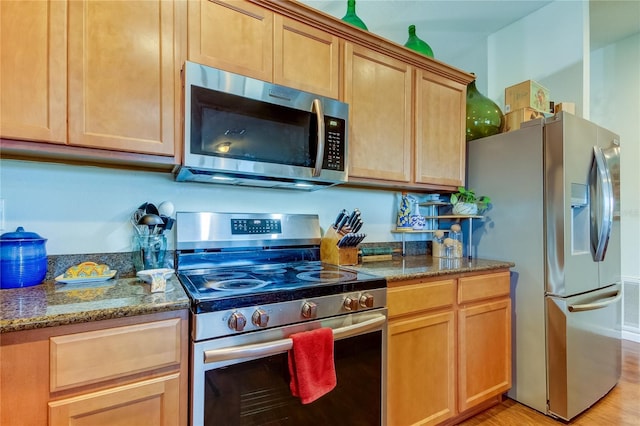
(313, 373)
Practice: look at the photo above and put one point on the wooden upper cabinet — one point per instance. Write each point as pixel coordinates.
(378, 90)
(243, 38)
(306, 58)
(233, 35)
(123, 91)
(33, 68)
(440, 117)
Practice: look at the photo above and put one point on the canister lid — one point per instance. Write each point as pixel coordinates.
(21, 234)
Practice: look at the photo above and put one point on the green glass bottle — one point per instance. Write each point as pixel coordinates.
(351, 16)
(415, 43)
(484, 117)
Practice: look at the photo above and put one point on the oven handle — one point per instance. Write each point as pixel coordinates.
(261, 350)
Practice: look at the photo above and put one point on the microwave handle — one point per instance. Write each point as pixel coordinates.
(317, 108)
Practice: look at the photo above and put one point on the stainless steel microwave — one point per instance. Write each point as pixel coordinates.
(243, 131)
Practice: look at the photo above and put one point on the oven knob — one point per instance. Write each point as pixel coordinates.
(237, 321)
(309, 310)
(350, 304)
(260, 318)
(366, 300)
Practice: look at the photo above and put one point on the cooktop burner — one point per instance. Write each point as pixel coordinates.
(235, 287)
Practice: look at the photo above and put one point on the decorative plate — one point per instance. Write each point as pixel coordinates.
(94, 279)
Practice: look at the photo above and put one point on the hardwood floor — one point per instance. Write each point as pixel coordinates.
(620, 407)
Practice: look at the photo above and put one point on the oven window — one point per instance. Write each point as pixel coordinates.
(235, 127)
(257, 392)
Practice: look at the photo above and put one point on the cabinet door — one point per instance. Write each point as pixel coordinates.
(378, 91)
(233, 35)
(440, 130)
(152, 402)
(484, 350)
(305, 58)
(421, 369)
(33, 69)
(122, 75)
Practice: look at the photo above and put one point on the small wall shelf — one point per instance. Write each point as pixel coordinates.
(456, 217)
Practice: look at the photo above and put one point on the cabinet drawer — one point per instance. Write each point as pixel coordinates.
(483, 287)
(420, 297)
(85, 358)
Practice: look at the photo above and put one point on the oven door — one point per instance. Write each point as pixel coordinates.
(244, 379)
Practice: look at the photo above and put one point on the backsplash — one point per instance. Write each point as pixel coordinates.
(123, 263)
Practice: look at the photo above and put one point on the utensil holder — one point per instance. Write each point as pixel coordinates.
(149, 251)
(334, 255)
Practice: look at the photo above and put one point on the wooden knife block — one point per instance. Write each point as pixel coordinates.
(334, 255)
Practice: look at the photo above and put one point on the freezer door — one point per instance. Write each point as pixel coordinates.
(583, 349)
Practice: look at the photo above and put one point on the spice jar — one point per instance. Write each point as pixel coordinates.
(437, 244)
(456, 237)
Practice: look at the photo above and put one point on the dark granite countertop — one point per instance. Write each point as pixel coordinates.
(52, 304)
(422, 266)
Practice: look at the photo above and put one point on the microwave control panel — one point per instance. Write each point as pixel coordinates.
(335, 135)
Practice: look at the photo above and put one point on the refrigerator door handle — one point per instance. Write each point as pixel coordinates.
(600, 174)
(617, 295)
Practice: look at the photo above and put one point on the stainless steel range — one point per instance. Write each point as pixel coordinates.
(255, 279)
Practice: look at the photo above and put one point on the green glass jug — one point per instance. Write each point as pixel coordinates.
(484, 117)
(415, 43)
(351, 16)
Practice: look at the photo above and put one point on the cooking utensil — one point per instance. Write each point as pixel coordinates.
(342, 224)
(152, 222)
(151, 209)
(166, 208)
(354, 218)
(341, 216)
(23, 259)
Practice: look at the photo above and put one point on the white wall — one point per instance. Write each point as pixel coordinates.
(527, 50)
(615, 94)
(87, 209)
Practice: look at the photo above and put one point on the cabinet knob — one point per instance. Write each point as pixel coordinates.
(309, 309)
(366, 300)
(260, 318)
(237, 321)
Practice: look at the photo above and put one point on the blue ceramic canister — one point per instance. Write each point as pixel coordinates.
(23, 259)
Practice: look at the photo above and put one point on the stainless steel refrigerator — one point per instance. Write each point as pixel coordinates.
(555, 213)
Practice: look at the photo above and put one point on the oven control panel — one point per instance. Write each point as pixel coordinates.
(256, 226)
(252, 318)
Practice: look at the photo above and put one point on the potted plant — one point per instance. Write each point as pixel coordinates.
(466, 202)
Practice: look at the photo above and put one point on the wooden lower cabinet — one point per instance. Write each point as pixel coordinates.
(484, 352)
(449, 347)
(152, 402)
(421, 383)
(128, 371)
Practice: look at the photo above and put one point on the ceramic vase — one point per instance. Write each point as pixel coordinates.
(351, 16)
(484, 117)
(415, 43)
(465, 208)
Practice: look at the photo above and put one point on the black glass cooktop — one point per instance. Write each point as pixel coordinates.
(236, 287)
